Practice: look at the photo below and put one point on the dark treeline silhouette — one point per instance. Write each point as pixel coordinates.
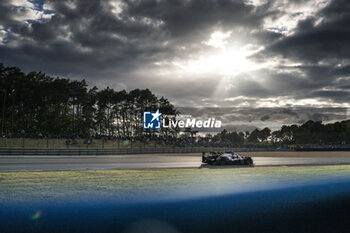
(314, 132)
(311, 133)
(36, 103)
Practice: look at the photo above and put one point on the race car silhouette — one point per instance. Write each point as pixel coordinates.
(226, 158)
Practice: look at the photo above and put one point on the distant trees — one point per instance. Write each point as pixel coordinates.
(259, 135)
(314, 132)
(37, 103)
(229, 138)
(311, 132)
(239, 139)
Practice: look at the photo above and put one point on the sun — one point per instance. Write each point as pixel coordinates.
(223, 58)
(226, 62)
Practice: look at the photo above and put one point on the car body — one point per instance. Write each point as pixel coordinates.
(226, 158)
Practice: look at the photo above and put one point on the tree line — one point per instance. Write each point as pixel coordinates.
(37, 103)
(314, 132)
(311, 132)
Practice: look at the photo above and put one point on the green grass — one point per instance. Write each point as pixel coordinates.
(121, 184)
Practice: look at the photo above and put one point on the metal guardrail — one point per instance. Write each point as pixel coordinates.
(116, 151)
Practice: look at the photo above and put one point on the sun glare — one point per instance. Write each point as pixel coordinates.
(224, 59)
(225, 63)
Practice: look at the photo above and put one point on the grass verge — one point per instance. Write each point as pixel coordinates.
(119, 184)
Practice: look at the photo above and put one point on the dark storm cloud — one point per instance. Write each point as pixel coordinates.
(314, 42)
(321, 44)
(196, 18)
(142, 33)
(264, 118)
(85, 35)
(8, 12)
(338, 95)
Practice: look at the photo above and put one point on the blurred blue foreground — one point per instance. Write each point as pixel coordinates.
(317, 207)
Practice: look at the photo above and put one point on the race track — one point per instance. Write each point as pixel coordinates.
(57, 163)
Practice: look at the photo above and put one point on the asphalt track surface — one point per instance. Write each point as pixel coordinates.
(60, 163)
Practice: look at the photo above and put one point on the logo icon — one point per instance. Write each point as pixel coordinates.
(151, 120)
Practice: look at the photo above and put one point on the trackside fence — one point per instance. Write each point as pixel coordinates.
(119, 151)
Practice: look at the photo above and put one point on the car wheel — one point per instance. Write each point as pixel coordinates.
(249, 161)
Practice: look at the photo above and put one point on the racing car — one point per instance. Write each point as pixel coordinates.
(226, 158)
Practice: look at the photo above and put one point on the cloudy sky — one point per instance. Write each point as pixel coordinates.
(272, 55)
